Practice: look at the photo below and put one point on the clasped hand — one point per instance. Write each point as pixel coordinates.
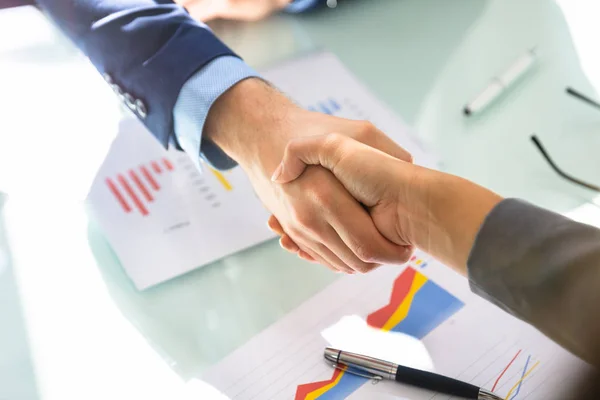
(370, 176)
(320, 215)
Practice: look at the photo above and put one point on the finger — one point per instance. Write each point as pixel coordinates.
(371, 136)
(288, 244)
(304, 151)
(305, 256)
(357, 230)
(320, 253)
(275, 226)
(285, 241)
(337, 246)
(313, 258)
(331, 258)
(309, 251)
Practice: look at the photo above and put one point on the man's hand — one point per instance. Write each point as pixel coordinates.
(248, 10)
(253, 123)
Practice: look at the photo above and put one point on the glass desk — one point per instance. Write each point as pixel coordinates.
(74, 327)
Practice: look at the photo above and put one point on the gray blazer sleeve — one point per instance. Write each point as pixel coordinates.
(544, 269)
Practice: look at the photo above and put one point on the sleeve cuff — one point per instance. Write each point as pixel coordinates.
(504, 240)
(195, 99)
(521, 247)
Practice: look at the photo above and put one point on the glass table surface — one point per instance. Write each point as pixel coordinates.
(72, 325)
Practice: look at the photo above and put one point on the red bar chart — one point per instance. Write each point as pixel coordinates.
(135, 190)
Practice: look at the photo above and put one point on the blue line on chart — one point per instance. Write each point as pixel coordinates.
(522, 375)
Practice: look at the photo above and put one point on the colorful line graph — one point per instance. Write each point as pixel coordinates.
(416, 307)
(516, 388)
(518, 385)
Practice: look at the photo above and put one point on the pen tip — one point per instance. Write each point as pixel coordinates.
(487, 395)
(467, 111)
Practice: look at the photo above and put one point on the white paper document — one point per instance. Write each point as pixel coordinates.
(422, 315)
(163, 217)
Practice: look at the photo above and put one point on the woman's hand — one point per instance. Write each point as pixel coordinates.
(367, 173)
(409, 205)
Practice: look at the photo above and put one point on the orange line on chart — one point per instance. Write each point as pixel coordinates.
(222, 179)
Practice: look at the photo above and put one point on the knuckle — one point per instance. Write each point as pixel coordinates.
(319, 232)
(322, 196)
(304, 220)
(333, 139)
(366, 130)
(323, 199)
(364, 253)
(294, 231)
(333, 142)
(291, 147)
(407, 254)
(362, 267)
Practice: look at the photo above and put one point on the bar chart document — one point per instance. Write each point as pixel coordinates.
(422, 315)
(165, 216)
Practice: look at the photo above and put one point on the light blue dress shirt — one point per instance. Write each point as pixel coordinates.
(202, 90)
(194, 102)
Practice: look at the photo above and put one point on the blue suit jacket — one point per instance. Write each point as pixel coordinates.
(150, 48)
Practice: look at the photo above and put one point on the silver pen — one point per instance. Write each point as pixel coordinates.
(373, 368)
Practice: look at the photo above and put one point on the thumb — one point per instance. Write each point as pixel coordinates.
(373, 137)
(304, 151)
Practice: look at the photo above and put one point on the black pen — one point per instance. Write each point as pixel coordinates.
(373, 368)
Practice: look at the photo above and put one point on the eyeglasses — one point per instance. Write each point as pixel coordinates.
(538, 144)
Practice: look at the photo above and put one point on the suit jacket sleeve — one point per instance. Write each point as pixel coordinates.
(146, 49)
(545, 269)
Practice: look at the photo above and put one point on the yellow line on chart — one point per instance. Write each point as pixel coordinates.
(520, 380)
(222, 179)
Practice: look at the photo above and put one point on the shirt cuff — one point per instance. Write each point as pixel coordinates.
(298, 6)
(196, 98)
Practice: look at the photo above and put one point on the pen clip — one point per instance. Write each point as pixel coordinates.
(345, 368)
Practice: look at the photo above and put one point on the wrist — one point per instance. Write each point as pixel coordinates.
(457, 209)
(419, 208)
(251, 123)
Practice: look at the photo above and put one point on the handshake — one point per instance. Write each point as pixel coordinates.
(397, 206)
(360, 221)
(342, 193)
